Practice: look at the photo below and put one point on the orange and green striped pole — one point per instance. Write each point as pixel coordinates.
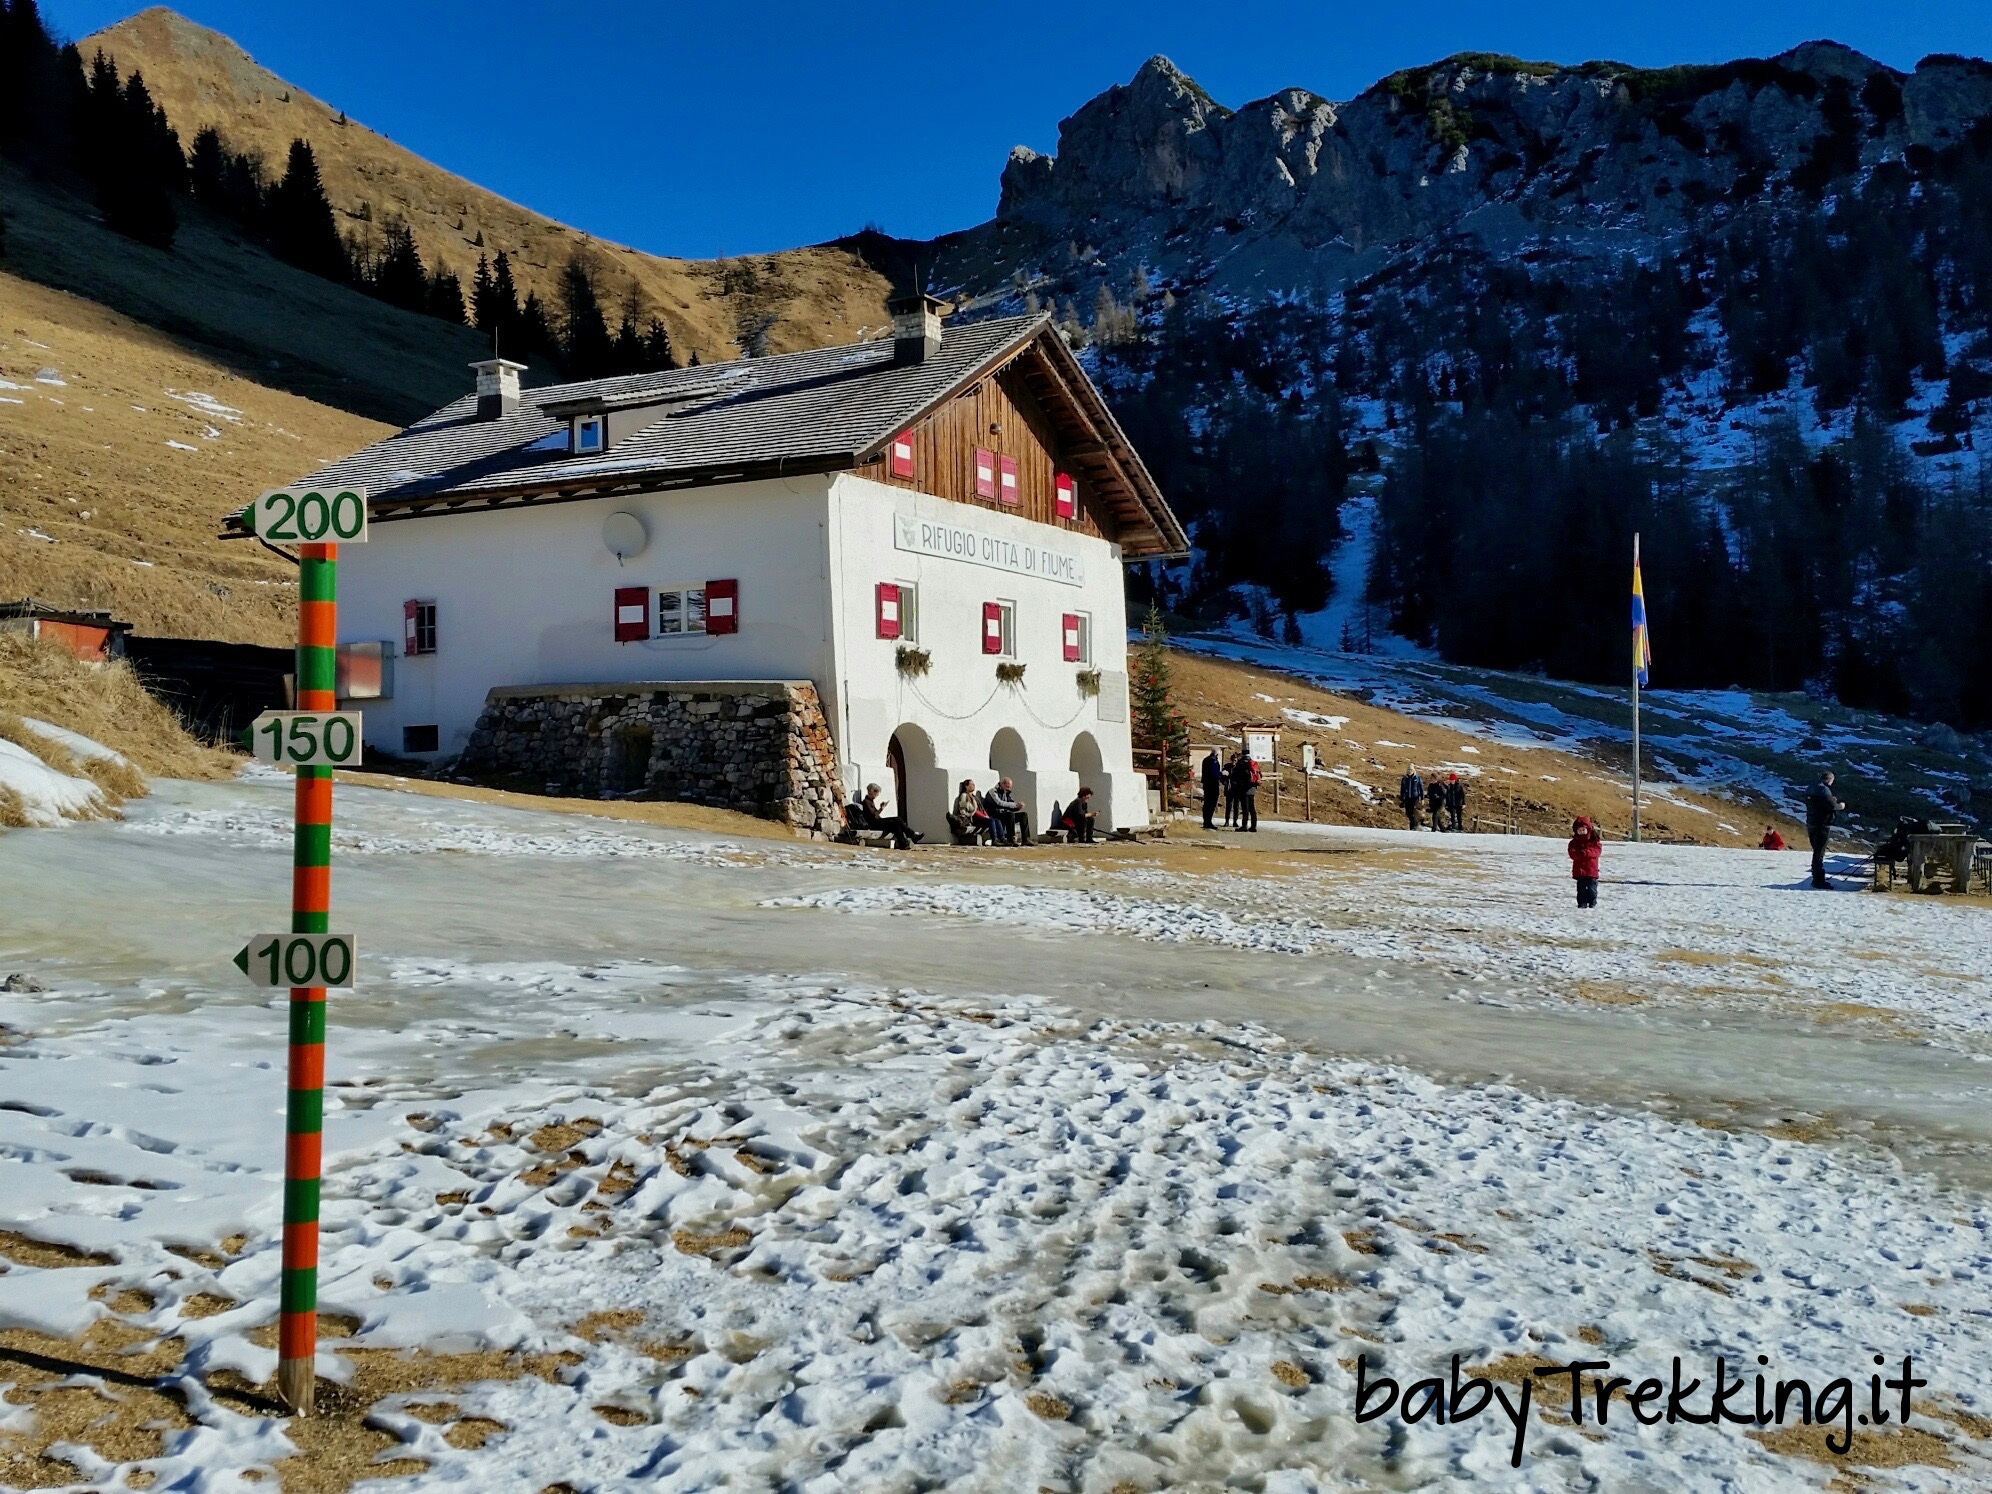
(311, 908)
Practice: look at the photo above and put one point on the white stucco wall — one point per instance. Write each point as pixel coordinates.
(526, 596)
(958, 705)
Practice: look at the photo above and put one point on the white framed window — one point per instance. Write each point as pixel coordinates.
(1078, 640)
(909, 612)
(587, 434)
(1007, 614)
(681, 610)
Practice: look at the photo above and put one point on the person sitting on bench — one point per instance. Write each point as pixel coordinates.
(969, 821)
(867, 814)
(1079, 819)
(1009, 824)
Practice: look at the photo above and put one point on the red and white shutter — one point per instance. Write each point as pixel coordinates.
(632, 613)
(722, 606)
(1068, 627)
(899, 455)
(1066, 495)
(408, 634)
(1006, 480)
(888, 609)
(992, 627)
(985, 473)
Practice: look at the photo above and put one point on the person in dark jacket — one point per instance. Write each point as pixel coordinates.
(1009, 823)
(1245, 787)
(869, 814)
(1213, 785)
(1587, 849)
(1078, 819)
(1820, 807)
(1411, 797)
(1435, 803)
(1455, 801)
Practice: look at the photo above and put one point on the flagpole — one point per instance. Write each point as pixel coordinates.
(1635, 709)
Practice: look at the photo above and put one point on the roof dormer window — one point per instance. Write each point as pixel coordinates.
(587, 434)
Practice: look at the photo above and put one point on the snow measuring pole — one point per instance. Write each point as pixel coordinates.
(311, 912)
(314, 739)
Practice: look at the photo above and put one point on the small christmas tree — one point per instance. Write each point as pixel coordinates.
(1156, 725)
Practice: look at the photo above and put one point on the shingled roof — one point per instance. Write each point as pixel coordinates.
(824, 410)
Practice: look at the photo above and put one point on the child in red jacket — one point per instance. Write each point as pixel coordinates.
(1587, 848)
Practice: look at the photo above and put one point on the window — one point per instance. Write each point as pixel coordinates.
(1076, 629)
(588, 434)
(1006, 481)
(985, 473)
(632, 614)
(421, 738)
(999, 629)
(1066, 496)
(899, 611)
(418, 628)
(900, 462)
(680, 610)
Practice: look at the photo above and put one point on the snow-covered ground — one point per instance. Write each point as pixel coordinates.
(1079, 1175)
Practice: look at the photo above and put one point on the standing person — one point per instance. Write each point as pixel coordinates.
(1411, 797)
(1455, 801)
(1820, 807)
(1213, 785)
(1587, 849)
(1435, 804)
(1245, 785)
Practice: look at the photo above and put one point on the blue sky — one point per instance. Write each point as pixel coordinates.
(699, 129)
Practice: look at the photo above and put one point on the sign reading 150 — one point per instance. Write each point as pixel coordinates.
(311, 517)
(306, 739)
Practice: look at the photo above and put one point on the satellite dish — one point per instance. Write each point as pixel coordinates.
(624, 535)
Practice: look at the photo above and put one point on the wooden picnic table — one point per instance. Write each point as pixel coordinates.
(1953, 849)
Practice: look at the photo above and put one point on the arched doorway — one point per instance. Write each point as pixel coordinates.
(919, 784)
(895, 762)
(1007, 753)
(1088, 766)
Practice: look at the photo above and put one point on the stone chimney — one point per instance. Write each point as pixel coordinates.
(916, 327)
(497, 387)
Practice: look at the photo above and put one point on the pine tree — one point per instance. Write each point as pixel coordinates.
(483, 298)
(587, 348)
(1155, 722)
(445, 300)
(398, 276)
(657, 353)
(300, 222)
(534, 337)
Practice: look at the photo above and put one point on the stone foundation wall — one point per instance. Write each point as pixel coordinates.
(760, 746)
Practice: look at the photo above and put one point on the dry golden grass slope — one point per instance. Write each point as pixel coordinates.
(802, 297)
(113, 481)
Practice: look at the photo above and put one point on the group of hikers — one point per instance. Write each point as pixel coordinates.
(997, 817)
(1237, 783)
(1441, 801)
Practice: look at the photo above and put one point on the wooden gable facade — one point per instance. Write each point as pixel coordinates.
(1021, 440)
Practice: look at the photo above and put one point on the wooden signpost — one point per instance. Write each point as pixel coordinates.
(314, 739)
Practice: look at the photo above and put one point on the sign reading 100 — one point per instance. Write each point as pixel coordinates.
(306, 739)
(311, 517)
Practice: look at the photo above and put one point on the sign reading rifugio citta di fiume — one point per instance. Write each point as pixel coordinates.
(953, 540)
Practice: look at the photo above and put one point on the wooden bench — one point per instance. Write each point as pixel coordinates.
(876, 839)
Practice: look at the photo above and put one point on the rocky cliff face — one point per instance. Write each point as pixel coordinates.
(1294, 191)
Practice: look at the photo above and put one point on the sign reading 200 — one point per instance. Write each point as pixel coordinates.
(311, 516)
